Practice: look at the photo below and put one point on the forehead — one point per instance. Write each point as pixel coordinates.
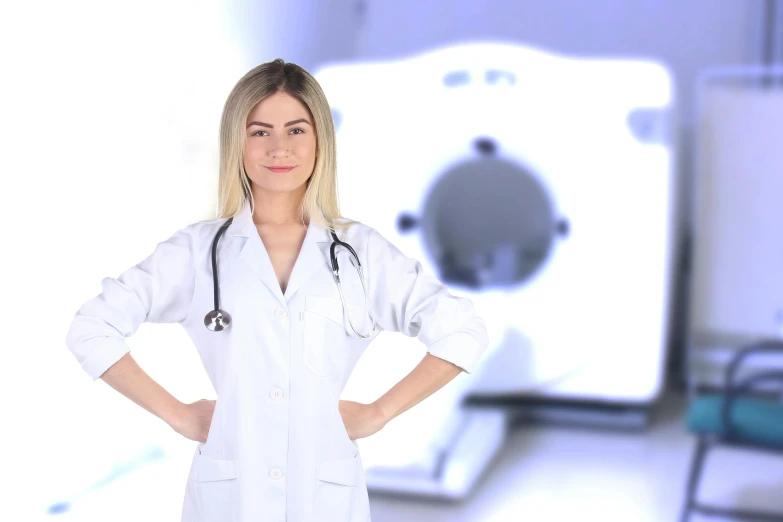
(279, 106)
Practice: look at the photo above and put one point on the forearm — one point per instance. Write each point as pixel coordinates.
(127, 377)
(430, 375)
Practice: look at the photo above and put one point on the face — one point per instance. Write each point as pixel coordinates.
(279, 133)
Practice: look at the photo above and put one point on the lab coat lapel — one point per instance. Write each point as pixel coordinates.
(255, 256)
(253, 253)
(310, 260)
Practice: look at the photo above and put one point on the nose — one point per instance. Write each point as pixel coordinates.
(278, 149)
(279, 152)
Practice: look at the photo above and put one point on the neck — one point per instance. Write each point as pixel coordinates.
(277, 208)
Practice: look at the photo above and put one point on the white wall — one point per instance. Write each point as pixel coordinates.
(686, 35)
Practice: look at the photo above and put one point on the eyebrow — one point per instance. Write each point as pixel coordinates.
(270, 126)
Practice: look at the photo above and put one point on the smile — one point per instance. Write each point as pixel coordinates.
(280, 169)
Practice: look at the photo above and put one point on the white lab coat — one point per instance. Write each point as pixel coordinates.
(277, 448)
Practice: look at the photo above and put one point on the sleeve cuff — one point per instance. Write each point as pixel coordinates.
(104, 355)
(460, 348)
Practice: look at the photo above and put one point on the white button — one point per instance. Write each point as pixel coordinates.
(276, 473)
(280, 313)
(276, 394)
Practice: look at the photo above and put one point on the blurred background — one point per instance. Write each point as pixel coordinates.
(601, 178)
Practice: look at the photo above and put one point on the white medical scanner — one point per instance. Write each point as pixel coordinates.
(541, 187)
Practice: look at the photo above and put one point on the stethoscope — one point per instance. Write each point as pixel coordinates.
(218, 319)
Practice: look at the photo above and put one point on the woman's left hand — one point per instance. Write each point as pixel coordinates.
(361, 420)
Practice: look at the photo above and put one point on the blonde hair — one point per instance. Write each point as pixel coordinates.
(320, 203)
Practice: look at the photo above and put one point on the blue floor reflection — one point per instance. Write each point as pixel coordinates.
(151, 454)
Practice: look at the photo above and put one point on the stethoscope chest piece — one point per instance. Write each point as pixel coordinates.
(217, 320)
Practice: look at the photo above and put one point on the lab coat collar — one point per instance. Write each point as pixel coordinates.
(312, 256)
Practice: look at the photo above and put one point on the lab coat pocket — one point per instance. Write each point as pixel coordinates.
(324, 336)
(335, 490)
(216, 488)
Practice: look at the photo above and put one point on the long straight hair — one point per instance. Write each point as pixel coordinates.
(320, 202)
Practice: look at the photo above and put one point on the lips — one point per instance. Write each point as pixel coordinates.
(279, 170)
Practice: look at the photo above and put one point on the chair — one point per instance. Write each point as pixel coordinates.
(738, 416)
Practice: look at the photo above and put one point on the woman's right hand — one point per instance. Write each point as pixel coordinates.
(194, 420)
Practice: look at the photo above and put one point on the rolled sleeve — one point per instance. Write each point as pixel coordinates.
(417, 304)
(464, 347)
(159, 289)
(102, 355)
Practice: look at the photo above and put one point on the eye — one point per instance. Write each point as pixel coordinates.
(301, 131)
(256, 132)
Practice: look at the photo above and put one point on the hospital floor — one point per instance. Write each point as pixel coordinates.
(560, 473)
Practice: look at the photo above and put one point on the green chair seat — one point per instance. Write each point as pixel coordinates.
(754, 420)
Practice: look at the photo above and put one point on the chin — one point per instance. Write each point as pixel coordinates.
(280, 186)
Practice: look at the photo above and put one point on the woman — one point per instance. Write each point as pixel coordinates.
(278, 444)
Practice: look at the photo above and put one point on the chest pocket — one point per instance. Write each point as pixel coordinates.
(324, 336)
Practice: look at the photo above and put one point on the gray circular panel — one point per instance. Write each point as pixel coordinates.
(488, 223)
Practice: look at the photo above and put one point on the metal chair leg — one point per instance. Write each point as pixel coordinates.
(693, 478)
